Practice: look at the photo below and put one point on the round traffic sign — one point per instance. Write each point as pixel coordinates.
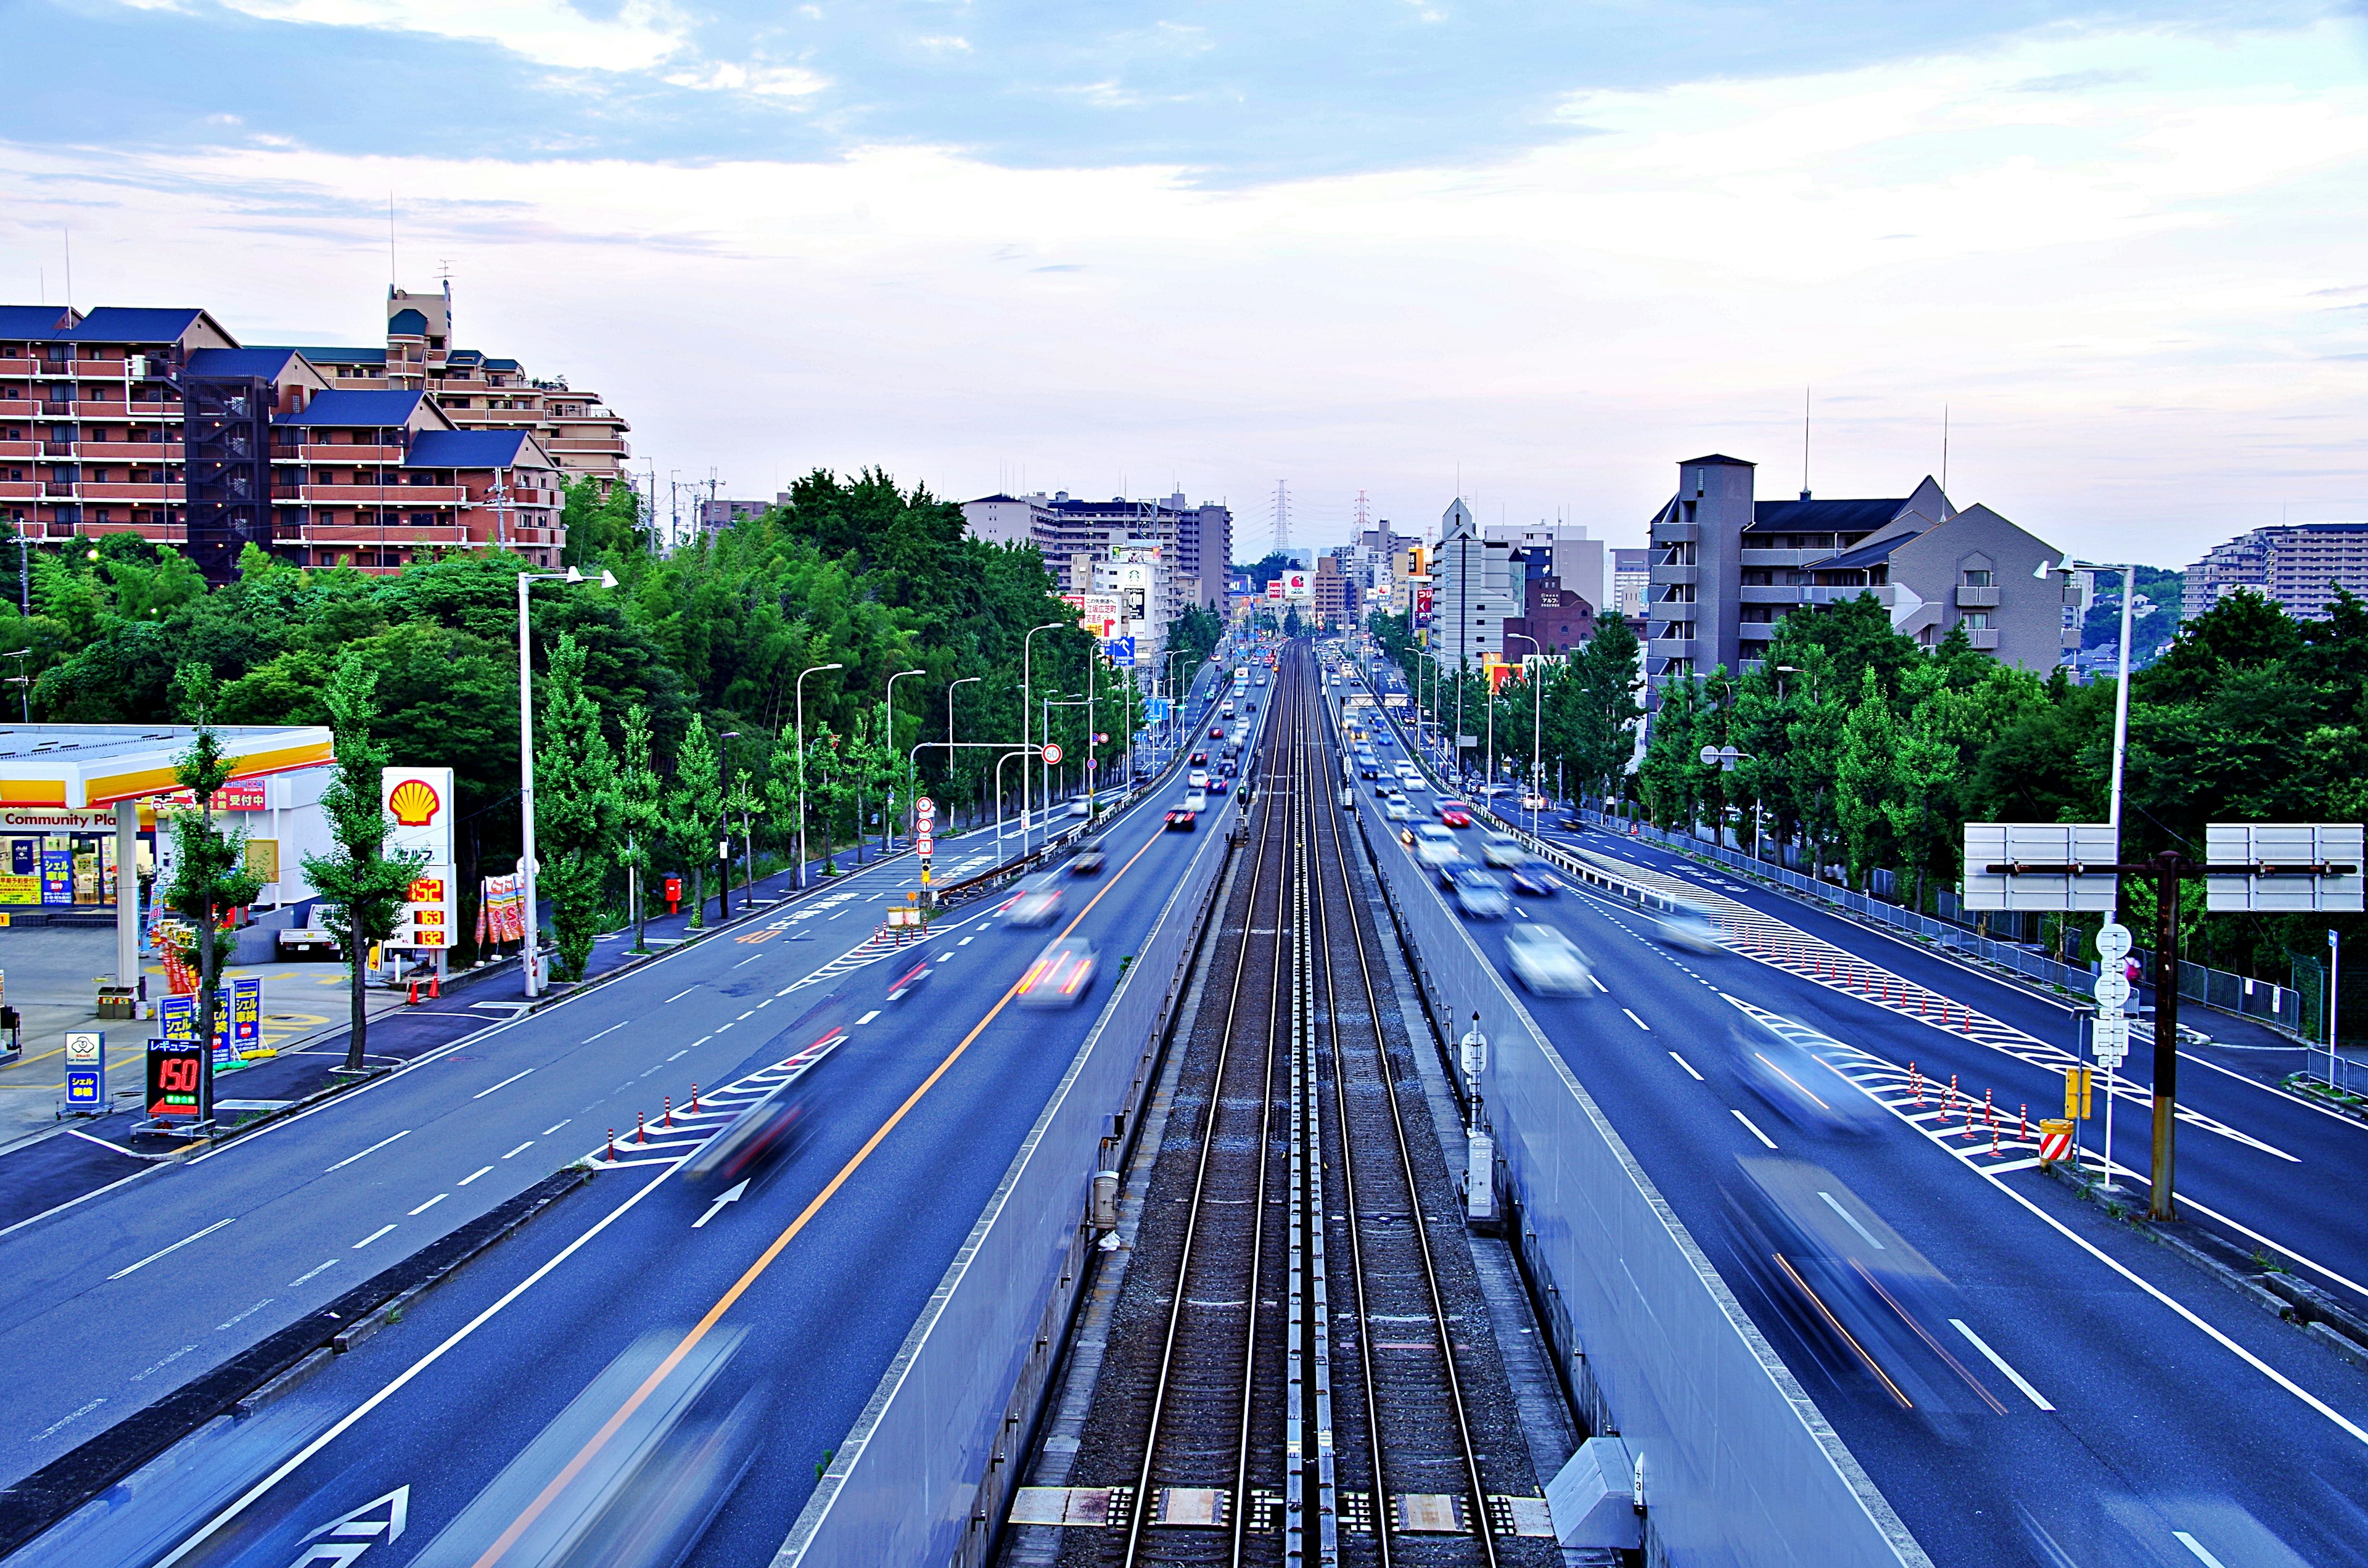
(2112, 942)
(1051, 754)
(2113, 990)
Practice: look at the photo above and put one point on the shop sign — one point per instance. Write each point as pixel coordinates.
(54, 819)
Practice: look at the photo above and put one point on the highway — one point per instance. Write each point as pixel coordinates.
(2069, 1393)
(924, 1079)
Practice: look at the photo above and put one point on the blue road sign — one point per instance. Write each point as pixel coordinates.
(1121, 651)
(1155, 710)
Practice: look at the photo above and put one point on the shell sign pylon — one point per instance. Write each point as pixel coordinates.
(418, 801)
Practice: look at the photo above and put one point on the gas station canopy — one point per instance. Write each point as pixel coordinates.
(86, 766)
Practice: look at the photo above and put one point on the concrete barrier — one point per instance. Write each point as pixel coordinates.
(1739, 1465)
(926, 1474)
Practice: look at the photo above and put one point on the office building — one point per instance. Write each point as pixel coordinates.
(158, 422)
(1560, 550)
(2300, 566)
(1199, 538)
(1727, 567)
(1337, 594)
(1632, 577)
(1475, 584)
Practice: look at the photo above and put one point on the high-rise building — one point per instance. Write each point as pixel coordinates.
(1727, 569)
(1198, 538)
(1631, 578)
(1475, 584)
(2300, 566)
(1560, 550)
(157, 421)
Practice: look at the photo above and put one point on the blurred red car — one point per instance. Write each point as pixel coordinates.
(1455, 813)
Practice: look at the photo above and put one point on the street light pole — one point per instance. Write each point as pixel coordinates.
(950, 729)
(724, 788)
(888, 823)
(2121, 691)
(533, 959)
(802, 768)
(1027, 679)
(1537, 724)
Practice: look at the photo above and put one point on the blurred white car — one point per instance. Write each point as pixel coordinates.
(1396, 811)
(1686, 926)
(1502, 849)
(1037, 900)
(1547, 961)
(1061, 976)
(1434, 844)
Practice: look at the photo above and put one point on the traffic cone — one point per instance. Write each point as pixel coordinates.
(436, 988)
(413, 1000)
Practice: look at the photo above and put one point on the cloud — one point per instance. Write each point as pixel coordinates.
(640, 33)
(768, 81)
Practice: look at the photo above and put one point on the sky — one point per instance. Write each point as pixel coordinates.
(1534, 253)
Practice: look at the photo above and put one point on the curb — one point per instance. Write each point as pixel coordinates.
(2274, 1290)
(264, 1371)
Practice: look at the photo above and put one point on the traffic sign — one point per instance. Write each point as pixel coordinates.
(2111, 1039)
(2112, 942)
(925, 808)
(1051, 754)
(2112, 991)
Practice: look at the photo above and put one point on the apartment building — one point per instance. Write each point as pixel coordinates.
(1561, 550)
(157, 421)
(2300, 566)
(1336, 591)
(1553, 619)
(1475, 584)
(1631, 579)
(1198, 538)
(1727, 567)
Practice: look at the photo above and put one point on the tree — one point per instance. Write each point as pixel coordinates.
(1867, 781)
(641, 813)
(695, 809)
(363, 886)
(210, 874)
(576, 809)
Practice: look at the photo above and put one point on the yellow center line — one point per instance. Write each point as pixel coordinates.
(740, 1287)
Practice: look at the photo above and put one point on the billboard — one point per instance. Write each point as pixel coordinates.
(418, 800)
(1298, 585)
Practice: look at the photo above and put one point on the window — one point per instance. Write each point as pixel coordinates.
(1977, 578)
(1977, 621)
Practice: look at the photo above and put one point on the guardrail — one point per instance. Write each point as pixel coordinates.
(927, 1472)
(1739, 1466)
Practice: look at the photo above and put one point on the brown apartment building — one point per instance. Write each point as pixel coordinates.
(156, 422)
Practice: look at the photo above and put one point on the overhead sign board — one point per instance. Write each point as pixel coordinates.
(1120, 651)
(2286, 856)
(2054, 843)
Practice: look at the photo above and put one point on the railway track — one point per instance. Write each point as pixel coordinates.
(1290, 1364)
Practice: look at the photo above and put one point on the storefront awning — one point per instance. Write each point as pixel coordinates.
(47, 769)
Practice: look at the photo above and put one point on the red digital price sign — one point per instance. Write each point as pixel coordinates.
(173, 1070)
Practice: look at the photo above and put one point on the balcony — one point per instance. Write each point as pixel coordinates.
(572, 445)
(1676, 533)
(1757, 630)
(1969, 597)
(1770, 594)
(130, 451)
(1781, 558)
(349, 536)
(58, 489)
(20, 448)
(392, 496)
(19, 490)
(94, 491)
(1670, 648)
(18, 408)
(1885, 594)
(1666, 575)
(1985, 638)
(90, 409)
(102, 370)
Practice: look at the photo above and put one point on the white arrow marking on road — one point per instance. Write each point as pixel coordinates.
(730, 1195)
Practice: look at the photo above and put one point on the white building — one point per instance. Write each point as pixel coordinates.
(1473, 589)
(1561, 550)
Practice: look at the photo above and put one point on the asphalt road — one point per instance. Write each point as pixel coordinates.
(2099, 1402)
(925, 1084)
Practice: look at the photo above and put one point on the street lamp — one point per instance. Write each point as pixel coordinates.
(1537, 726)
(2122, 693)
(724, 848)
(525, 580)
(21, 681)
(1724, 758)
(888, 825)
(949, 733)
(810, 669)
(1027, 677)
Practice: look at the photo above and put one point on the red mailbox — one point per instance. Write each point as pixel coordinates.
(674, 895)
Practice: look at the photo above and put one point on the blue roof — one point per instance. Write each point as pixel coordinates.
(465, 448)
(343, 356)
(128, 324)
(406, 324)
(1868, 556)
(31, 323)
(1823, 517)
(264, 362)
(380, 409)
(501, 364)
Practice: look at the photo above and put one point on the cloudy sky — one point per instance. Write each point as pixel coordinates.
(1540, 251)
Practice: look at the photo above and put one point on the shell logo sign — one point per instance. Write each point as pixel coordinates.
(413, 802)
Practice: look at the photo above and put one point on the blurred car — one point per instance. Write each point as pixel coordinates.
(1683, 926)
(773, 1129)
(1396, 811)
(1182, 820)
(1434, 844)
(1574, 823)
(1219, 785)
(1502, 849)
(1455, 813)
(1216, 731)
(1531, 877)
(1199, 759)
(1547, 961)
(1384, 789)
(1382, 737)
(1089, 858)
(1412, 783)
(1800, 1084)
(1368, 767)
(1481, 895)
(1083, 806)
(1037, 900)
(1196, 800)
(1061, 976)
(1198, 779)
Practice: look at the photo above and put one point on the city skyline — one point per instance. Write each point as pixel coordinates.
(1000, 253)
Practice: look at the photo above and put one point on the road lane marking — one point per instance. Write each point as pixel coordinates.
(1599, 986)
(505, 1083)
(520, 1148)
(1687, 1065)
(1753, 1129)
(309, 1272)
(426, 1205)
(702, 1039)
(1866, 1235)
(472, 1175)
(371, 1237)
(2185, 1539)
(555, 1126)
(373, 1149)
(612, 1028)
(176, 1246)
(1995, 1360)
(1637, 1021)
(680, 994)
(869, 1016)
(680, 1055)
(749, 1013)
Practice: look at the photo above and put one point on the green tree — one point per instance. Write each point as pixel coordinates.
(640, 815)
(1868, 783)
(576, 809)
(695, 809)
(210, 874)
(363, 886)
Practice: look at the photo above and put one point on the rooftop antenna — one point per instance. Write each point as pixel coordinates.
(1944, 448)
(1804, 443)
